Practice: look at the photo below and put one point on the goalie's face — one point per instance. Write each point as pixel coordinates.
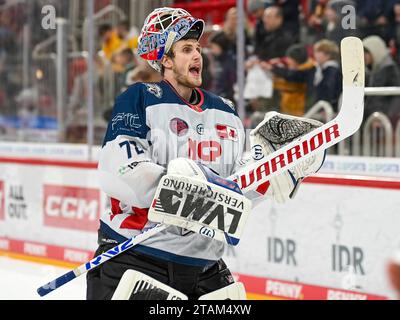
(185, 64)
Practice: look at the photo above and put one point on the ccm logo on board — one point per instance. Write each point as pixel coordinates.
(71, 207)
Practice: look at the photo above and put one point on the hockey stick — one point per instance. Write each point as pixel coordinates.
(256, 175)
(96, 261)
(348, 121)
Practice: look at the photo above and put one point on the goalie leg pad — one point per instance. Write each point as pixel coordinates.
(135, 285)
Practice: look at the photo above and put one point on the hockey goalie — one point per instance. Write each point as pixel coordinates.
(167, 152)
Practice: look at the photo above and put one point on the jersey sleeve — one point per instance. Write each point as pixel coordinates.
(126, 171)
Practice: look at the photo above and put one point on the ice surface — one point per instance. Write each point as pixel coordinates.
(19, 280)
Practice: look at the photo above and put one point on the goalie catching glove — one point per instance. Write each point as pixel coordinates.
(273, 133)
(193, 197)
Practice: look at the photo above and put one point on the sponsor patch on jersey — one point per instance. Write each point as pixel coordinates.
(127, 121)
(178, 126)
(200, 129)
(154, 89)
(125, 168)
(229, 103)
(227, 132)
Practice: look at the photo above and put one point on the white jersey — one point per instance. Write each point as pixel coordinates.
(150, 126)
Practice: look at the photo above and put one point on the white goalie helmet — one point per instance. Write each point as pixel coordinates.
(162, 28)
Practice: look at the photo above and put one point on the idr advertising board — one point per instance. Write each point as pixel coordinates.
(71, 207)
(340, 239)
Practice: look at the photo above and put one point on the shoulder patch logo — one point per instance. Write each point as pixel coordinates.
(154, 89)
(229, 103)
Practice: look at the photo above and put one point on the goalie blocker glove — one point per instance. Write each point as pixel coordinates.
(192, 197)
(274, 132)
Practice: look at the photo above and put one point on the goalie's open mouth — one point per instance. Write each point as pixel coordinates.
(195, 71)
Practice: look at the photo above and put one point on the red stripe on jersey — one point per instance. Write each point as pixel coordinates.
(136, 220)
(115, 208)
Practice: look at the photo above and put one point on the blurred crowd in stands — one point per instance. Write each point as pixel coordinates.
(292, 60)
(296, 52)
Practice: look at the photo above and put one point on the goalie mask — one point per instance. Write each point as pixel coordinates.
(162, 28)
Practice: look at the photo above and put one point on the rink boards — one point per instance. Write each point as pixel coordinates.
(331, 242)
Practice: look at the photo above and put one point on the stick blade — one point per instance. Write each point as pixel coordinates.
(352, 53)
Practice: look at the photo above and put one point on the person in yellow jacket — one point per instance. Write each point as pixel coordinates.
(128, 34)
(110, 40)
(115, 40)
(293, 95)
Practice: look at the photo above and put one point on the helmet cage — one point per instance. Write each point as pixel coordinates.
(162, 28)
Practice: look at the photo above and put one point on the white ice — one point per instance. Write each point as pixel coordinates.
(19, 280)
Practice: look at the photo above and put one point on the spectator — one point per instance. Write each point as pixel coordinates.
(27, 105)
(327, 80)
(293, 94)
(291, 16)
(324, 80)
(141, 73)
(224, 66)
(76, 122)
(8, 49)
(395, 31)
(315, 21)
(269, 43)
(374, 17)
(128, 34)
(8, 37)
(274, 40)
(334, 15)
(256, 8)
(125, 60)
(110, 41)
(229, 30)
(382, 71)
